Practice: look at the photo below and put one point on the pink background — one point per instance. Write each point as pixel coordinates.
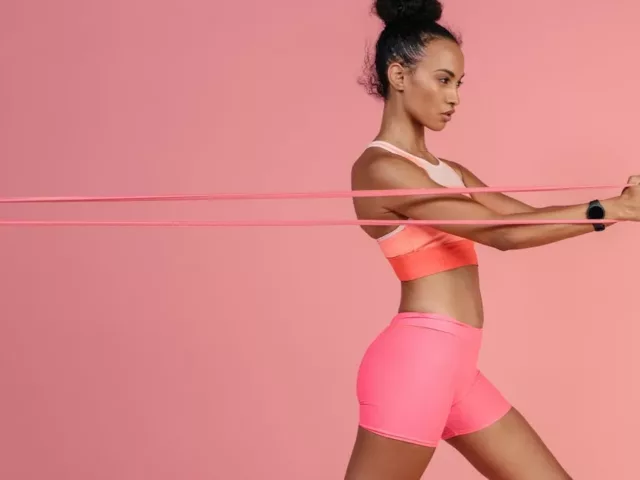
(164, 353)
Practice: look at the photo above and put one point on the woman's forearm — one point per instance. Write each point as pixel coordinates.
(528, 236)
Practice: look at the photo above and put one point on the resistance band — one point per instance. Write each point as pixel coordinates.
(299, 195)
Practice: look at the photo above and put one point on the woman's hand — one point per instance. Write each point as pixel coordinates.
(630, 199)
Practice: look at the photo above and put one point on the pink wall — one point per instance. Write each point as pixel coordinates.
(231, 354)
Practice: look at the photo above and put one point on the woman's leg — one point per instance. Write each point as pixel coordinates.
(406, 383)
(509, 449)
(380, 458)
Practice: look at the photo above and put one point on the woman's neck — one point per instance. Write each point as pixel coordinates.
(398, 128)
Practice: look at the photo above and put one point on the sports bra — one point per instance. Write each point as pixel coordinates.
(416, 251)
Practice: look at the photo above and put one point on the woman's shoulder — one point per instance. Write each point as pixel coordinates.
(378, 162)
(384, 170)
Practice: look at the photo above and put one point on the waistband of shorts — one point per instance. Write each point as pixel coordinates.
(436, 321)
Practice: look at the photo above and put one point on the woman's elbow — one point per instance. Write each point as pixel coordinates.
(504, 240)
(515, 239)
(504, 246)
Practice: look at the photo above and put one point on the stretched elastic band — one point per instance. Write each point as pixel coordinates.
(283, 223)
(304, 195)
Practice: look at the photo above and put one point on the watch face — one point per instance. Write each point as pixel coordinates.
(596, 212)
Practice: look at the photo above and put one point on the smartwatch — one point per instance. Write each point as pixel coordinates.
(595, 211)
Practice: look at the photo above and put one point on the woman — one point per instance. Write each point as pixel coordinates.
(418, 381)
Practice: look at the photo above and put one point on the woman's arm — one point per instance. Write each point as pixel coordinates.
(390, 172)
(496, 201)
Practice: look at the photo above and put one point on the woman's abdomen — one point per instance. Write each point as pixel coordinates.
(455, 293)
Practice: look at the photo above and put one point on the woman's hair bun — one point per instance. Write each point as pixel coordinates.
(392, 11)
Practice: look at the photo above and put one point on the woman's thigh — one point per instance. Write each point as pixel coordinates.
(510, 449)
(375, 457)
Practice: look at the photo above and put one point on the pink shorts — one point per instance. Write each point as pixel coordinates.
(419, 382)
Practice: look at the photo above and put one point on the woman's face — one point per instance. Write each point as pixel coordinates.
(430, 90)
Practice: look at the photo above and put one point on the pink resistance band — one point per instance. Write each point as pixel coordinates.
(299, 195)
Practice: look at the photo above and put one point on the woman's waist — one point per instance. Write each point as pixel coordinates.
(455, 293)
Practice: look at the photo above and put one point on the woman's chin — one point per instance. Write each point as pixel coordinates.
(436, 126)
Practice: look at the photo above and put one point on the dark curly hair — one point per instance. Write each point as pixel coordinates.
(409, 27)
